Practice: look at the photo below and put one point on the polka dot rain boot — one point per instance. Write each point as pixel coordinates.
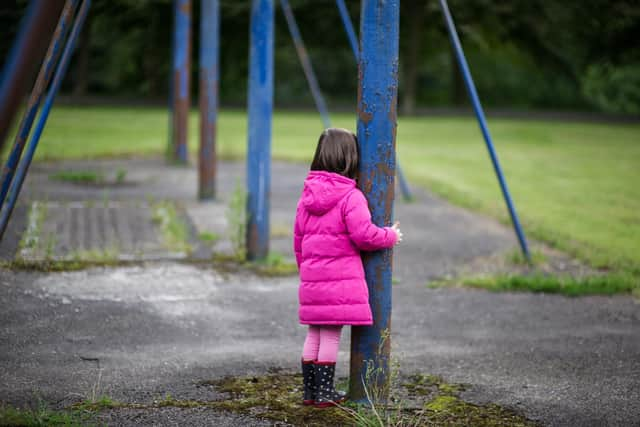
(308, 381)
(326, 394)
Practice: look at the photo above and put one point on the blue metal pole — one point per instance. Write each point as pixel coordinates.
(27, 51)
(44, 76)
(61, 69)
(305, 62)
(482, 122)
(181, 79)
(260, 99)
(404, 185)
(377, 117)
(209, 75)
(348, 26)
(353, 40)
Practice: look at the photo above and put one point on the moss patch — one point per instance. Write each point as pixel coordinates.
(419, 400)
(275, 397)
(79, 176)
(451, 410)
(274, 266)
(91, 177)
(432, 401)
(444, 407)
(60, 265)
(100, 404)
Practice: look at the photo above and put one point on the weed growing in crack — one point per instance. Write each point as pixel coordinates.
(31, 240)
(121, 175)
(42, 415)
(237, 221)
(174, 230)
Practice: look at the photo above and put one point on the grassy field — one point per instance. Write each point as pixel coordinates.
(575, 185)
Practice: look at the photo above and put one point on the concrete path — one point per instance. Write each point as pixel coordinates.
(139, 332)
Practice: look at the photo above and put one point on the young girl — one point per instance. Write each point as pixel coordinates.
(333, 224)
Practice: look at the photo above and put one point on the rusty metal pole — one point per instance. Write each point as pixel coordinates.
(209, 75)
(35, 98)
(260, 99)
(181, 80)
(27, 50)
(25, 161)
(353, 41)
(377, 115)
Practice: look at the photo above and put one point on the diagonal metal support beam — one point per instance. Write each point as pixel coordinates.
(25, 161)
(482, 122)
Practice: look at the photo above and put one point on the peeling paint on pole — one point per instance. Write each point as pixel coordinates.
(260, 100)
(377, 100)
(209, 75)
(181, 78)
(353, 41)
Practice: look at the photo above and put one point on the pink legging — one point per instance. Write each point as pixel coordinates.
(322, 343)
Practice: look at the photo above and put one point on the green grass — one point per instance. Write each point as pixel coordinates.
(209, 236)
(78, 177)
(42, 416)
(607, 284)
(516, 257)
(576, 185)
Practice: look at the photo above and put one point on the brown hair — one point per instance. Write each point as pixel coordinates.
(337, 152)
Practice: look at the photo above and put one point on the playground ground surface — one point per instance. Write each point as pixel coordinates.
(576, 185)
(148, 334)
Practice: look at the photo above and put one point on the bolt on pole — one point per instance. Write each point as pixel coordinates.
(181, 80)
(209, 76)
(377, 122)
(260, 100)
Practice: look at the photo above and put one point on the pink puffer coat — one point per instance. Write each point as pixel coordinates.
(333, 224)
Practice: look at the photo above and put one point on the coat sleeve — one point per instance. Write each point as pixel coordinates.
(298, 233)
(363, 233)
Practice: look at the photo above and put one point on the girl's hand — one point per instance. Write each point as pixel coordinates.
(396, 227)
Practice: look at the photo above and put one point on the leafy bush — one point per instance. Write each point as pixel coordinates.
(614, 89)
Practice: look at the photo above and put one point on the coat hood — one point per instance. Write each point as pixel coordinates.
(322, 190)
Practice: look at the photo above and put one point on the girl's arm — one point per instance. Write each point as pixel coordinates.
(363, 233)
(297, 233)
